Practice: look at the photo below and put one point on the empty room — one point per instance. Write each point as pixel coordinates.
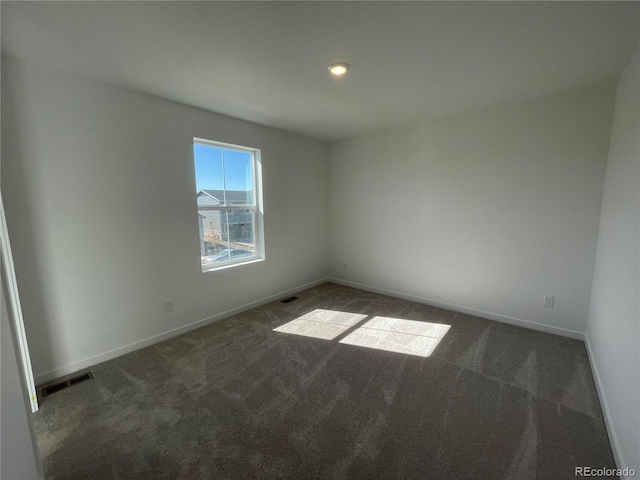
(320, 240)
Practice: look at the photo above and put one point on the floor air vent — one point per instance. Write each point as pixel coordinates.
(56, 387)
(82, 378)
(287, 300)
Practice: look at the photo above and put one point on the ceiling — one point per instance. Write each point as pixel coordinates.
(267, 61)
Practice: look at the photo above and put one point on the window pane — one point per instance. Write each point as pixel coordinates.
(209, 174)
(241, 235)
(238, 177)
(214, 240)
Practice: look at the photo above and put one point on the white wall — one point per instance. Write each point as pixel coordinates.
(613, 332)
(18, 456)
(487, 212)
(100, 196)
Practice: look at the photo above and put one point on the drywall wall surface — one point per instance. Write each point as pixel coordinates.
(99, 189)
(614, 317)
(488, 211)
(18, 455)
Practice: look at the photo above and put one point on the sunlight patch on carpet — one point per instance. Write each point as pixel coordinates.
(323, 324)
(397, 335)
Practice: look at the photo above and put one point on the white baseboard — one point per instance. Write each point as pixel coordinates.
(462, 309)
(615, 445)
(131, 347)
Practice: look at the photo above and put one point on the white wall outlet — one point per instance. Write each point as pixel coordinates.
(168, 306)
(344, 266)
(548, 301)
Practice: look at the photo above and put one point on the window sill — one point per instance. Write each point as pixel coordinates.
(231, 265)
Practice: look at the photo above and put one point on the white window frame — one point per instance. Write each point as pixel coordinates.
(256, 207)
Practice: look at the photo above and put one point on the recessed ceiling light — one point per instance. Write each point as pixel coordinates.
(338, 69)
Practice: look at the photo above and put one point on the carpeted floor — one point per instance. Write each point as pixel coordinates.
(236, 400)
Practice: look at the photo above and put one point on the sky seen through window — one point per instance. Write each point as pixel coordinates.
(209, 168)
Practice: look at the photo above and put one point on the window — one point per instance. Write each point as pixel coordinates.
(229, 198)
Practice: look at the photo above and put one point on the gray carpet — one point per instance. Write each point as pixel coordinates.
(236, 400)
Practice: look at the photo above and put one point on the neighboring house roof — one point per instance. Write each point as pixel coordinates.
(233, 196)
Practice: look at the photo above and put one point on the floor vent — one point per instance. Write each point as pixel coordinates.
(56, 387)
(287, 300)
(82, 378)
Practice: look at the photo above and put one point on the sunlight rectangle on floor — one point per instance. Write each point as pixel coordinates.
(323, 324)
(412, 327)
(397, 335)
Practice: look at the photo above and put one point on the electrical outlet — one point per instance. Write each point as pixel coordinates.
(168, 306)
(548, 301)
(344, 266)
